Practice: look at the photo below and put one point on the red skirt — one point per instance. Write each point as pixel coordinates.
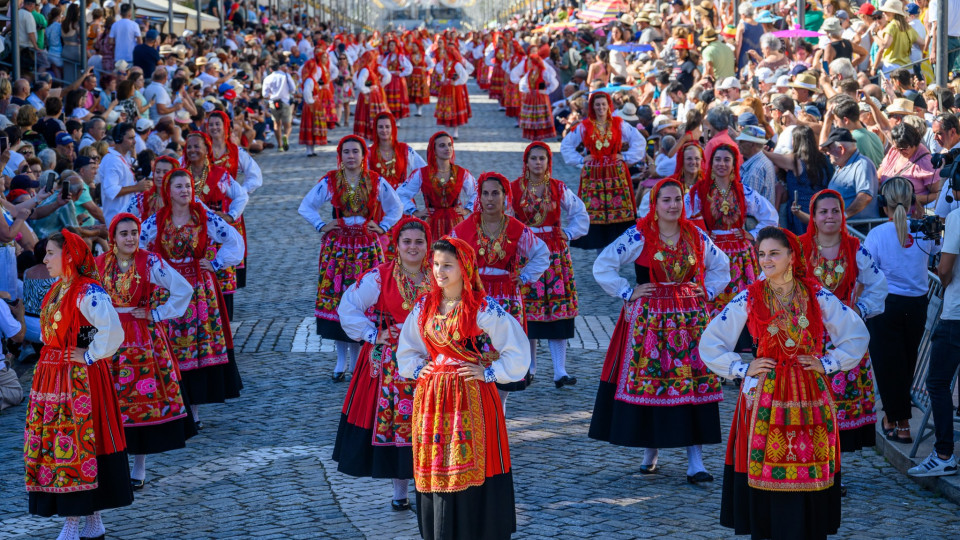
(511, 98)
(443, 220)
(313, 124)
(453, 109)
(435, 85)
(554, 296)
(483, 75)
(497, 76)
(328, 104)
(365, 115)
(536, 117)
(397, 98)
(418, 87)
(744, 268)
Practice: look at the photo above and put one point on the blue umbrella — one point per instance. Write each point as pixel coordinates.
(761, 3)
(612, 89)
(631, 47)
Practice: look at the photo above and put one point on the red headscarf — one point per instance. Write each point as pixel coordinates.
(678, 169)
(150, 200)
(761, 316)
(108, 261)
(432, 154)
(534, 64)
(702, 187)
(206, 141)
(335, 180)
(504, 186)
(233, 152)
(649, 226)
(472, 298)
(848, 246)
(78, 271)
(197, 210)
(391, 251)
(399, 152)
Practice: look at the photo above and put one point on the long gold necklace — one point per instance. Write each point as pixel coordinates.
(537, 205)
(788, 312)
(603, 134)
(353, 195)
(408, 284)
(487, 243)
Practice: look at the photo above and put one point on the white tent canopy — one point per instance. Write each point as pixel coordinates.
(184, 18)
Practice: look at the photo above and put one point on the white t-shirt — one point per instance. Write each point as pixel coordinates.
(125, 32)
(28, 25)
(904, 267)
(159, 93)
(953, 17)
(951, 244)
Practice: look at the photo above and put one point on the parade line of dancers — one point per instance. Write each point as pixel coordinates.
(437, 312)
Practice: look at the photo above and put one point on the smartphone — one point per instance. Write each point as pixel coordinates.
(4, 144)
(796, 196)
(51, 179)
(113, 95)
(65, 190)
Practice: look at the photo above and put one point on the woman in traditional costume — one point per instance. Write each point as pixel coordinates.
(364, 207)
(836, 259)
(494, 60)
(724, 203)
(147, 379)
(197, 243)
(782, 471)
(369, 82)
(449, 190)
(225, 153)
(605, 185)
(400, 67)
(509, 254)
(418, 83)
(537, 81)
(511, 90)
(688, 171)
(655, 391)
(453, 105)
(74, 448)
(442, 347)
(483, 69)
(314, 118)
(393, 160)
(374, 436)
(217, 189)
(538, 201)
(147, 203)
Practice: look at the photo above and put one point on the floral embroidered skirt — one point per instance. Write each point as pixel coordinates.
(418, 87)
(483, 75)
(763, 513)
(147, 379)
(435, 85)
(497, 78)
(461, 457)
(374, 436)
(74, 447)
(369, 105)
(202, 341)
(607, 191)
(443, 220)
(397, 97)
(854, 394)
(511, 98)
(503, 289)
(536, 117)
(313, 124)
(550, 303)
(328, 105)
(744, 268)
(345, 254)
(453, 109)
(655, 392)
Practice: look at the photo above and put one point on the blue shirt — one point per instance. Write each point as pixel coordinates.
(858, 175)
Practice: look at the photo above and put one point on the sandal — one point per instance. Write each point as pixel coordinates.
(908, 439)
(889, 433)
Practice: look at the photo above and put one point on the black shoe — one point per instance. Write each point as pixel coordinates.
(843, 490)
(312, 154)
(198, 424)
(136, 484)
(338, 376)
(566, 380)
(101, 537)
(400, 505)
(649, 469)
(702, 476)
(528, 379)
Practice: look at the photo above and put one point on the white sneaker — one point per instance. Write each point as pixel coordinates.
(934, 466)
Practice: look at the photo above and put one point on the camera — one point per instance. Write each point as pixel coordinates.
(930, 227)
(949, 167)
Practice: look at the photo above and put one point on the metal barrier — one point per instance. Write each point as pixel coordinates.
(918, 387)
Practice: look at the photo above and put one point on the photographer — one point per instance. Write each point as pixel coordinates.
(946, 132)
(945, 348)
(896, 333)
(278, 89)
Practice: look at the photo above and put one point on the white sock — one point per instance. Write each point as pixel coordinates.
(195, 411)
(533, 357)
(558, 350)
(503, 400)
(419, 109)
(139, 471)
(354, 355)
(456, 131)
(400, 489)
(343, 350)
(93, 527)
(695, 460)
(650, 456)
(71, 529)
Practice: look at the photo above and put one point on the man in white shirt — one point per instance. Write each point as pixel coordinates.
(125, 35)
(946, 132)
(157, 93)
(953, 33)
(115, 174)
(305, 45)
(278, 88)
(27, 34)
(94, 130)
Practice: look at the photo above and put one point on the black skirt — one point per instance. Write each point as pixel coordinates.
(332, 330)
(644, 426)
(780, 515)
(562, 329)
(212, 384)
(601, 236)
(357, 456)
(113, 491)
(857, 438)
(242, 275)
(483, 512)
(160, 438)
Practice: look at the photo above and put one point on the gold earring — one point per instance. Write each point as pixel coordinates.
(789, 274)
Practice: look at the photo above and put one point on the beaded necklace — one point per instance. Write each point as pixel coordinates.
(408, 285)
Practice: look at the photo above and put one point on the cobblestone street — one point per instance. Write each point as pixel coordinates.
(262, 466)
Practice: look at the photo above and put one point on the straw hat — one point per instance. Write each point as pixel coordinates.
(806, 81)
(628, 112)
(893, 6)
(121, 65)
(901, 106)
(166, 50)
(709, 35)
(831, 26)
(201, 61)
(627, 19)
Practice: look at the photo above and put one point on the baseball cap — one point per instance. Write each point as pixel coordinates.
(838, 135)
(748, 119)
(729, 82)
(866, 9)
(64, 138)
(912, 9)
(22, 181)
(751, 133)
(842, 14)
(82, 162)
(783, 81)
(152, 34)
(143, 125)
(766, 17)
(766, 75)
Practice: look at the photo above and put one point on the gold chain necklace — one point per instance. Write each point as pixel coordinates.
(486, 242)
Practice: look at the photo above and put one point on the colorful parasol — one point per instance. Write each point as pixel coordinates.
(603, 9)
